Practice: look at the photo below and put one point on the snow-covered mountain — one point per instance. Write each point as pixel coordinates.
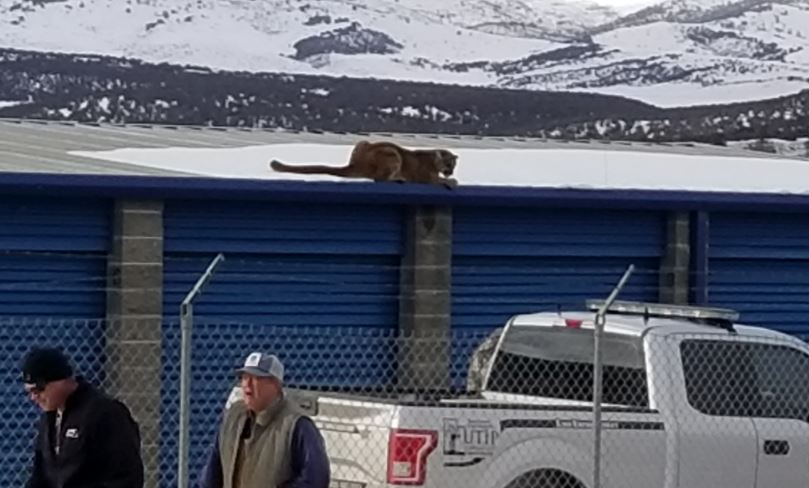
(676, 53)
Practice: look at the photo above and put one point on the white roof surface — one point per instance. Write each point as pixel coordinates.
(27, 146)
(575, 168)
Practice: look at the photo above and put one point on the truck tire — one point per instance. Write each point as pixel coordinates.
(546, 478)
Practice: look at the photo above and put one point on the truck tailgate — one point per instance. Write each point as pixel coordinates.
(356, 436)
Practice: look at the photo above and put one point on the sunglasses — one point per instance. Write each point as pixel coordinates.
(37, 387)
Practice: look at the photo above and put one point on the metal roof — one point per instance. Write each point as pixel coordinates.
(37, 156)
(45, 146)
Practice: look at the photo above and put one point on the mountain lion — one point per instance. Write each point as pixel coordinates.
(386, 161)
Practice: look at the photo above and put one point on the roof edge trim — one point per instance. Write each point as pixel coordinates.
(190, 187)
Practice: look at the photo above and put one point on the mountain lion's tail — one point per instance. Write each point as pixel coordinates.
(309, 169)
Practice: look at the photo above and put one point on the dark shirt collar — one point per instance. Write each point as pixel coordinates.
(80, 393)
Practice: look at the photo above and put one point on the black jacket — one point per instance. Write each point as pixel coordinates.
(100, 445)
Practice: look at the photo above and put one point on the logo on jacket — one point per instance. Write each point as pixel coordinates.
(72, 433)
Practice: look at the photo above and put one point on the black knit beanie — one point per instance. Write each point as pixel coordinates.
(43, 365)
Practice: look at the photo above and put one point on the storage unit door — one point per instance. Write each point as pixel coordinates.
(316, 284)
(509, 261)
(758, 264)
(52, 292)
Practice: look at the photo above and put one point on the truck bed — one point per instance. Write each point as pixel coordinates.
(471, 433)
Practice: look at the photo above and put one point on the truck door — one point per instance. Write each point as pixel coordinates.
(782, 415)
(716, 437)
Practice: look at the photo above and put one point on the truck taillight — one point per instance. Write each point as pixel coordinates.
(407, 455)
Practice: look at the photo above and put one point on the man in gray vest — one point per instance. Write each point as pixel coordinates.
(264, 440)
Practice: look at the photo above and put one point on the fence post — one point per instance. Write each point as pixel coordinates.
(597, 374)
(186, 322)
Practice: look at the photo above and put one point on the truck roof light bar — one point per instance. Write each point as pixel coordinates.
(708, 314)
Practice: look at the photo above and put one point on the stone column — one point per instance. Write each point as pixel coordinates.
(425, 299)
(675, 265)
(700, 242)
(134, 318)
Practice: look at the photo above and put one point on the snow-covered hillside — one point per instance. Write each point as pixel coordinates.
(797, 148)
(380, 38)
(676, 53)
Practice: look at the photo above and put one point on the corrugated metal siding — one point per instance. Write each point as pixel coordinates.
(52, 292)
(517, 260)
(316, 284)
(509, 261)
(758, 264)
(53, 257)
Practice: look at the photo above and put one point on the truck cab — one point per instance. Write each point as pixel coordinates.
(733, 399)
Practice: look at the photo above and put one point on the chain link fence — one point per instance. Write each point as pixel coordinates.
(122, 358)
(507, 407)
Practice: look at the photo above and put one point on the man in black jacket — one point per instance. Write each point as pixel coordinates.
(86, 439)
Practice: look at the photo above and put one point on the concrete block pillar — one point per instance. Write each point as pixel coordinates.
(675, 265)
(700, 242)
(134, 318)
(425, 293)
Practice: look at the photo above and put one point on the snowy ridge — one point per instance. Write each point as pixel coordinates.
(674, 53)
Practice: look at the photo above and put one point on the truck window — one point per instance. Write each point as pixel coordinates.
(783, 381)
(557, 362)
(746, 379)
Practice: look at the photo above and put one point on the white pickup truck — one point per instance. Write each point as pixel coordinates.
(690, 399)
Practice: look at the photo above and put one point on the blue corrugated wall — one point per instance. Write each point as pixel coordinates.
(758, 264)
(327, 275)
(517, 260)
(52, 281)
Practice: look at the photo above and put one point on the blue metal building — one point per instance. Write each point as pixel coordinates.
(325, 260)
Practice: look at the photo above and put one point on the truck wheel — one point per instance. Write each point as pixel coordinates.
(546, 478)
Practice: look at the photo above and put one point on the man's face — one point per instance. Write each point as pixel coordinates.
(46, 395)
(259, 392)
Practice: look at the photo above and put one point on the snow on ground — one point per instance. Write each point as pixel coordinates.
(783, 25)
(783, 147)
(548, 168)
(626, 7)
(654, 38)
(668, 95)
